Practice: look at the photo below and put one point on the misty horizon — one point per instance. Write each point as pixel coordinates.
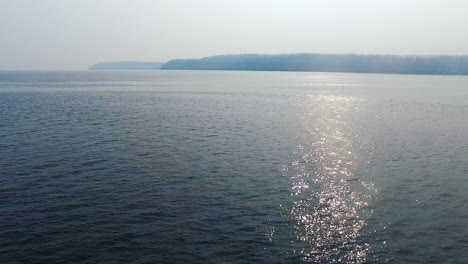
(71, 35)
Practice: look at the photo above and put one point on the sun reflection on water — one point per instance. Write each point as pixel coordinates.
(328, 197)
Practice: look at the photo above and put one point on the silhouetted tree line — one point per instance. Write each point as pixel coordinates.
(450, 65)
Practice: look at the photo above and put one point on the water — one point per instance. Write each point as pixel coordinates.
(233, 167)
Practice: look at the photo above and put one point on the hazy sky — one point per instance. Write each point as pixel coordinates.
(74, 34)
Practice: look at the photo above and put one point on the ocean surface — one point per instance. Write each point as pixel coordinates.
(233, 167)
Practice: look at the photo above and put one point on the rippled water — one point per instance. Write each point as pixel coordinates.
(233, 167)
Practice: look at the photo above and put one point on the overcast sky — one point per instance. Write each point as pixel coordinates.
(74, 34)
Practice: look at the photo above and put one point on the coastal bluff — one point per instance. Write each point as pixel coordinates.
(310, 62)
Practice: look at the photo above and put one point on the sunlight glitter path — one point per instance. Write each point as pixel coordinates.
(327, 196)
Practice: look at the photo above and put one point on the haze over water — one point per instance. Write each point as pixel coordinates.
(232, 167)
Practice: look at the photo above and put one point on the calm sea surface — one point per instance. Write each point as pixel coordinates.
(233, 167)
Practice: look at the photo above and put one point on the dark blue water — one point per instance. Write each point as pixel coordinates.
(233, 167)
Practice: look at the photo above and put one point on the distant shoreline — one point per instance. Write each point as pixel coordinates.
(420, 74)
(308, 62)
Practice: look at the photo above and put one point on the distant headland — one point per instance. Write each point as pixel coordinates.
(126, 65)
(450, 65)
(310, 62)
